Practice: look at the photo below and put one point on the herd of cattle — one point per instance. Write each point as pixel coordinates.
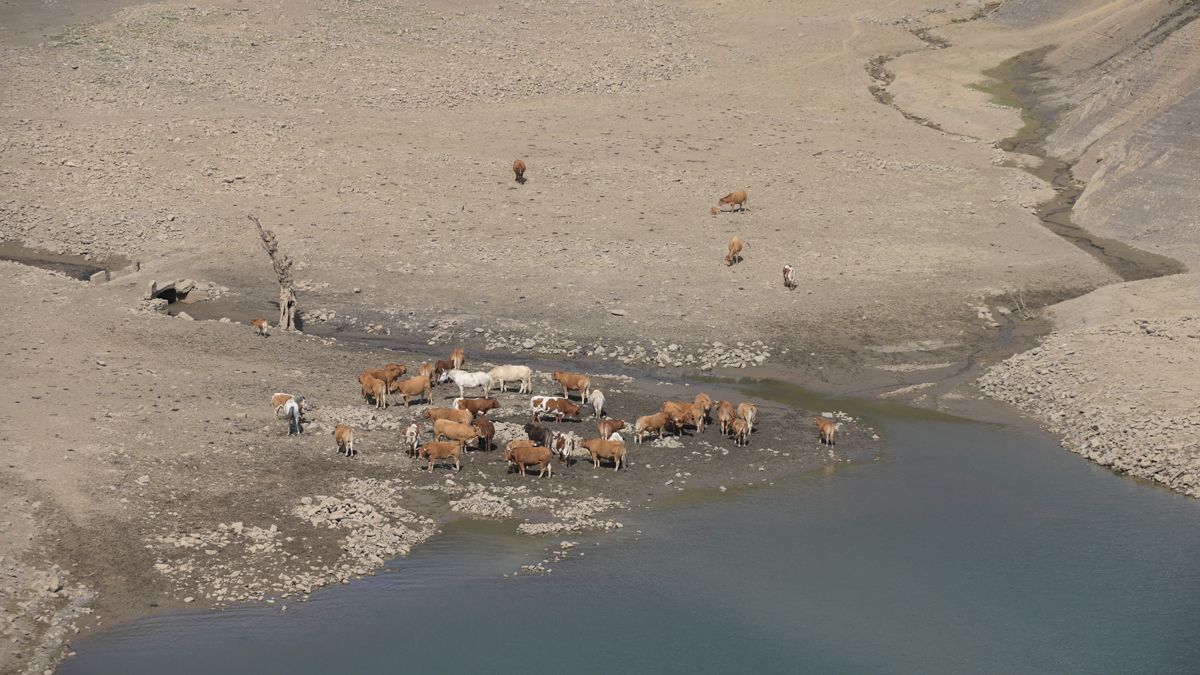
(466, 420)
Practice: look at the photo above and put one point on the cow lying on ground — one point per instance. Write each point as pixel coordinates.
(522, 455)
(573, 382)
(344, 437)
(502, 375)
(553, 405)
(436, 450)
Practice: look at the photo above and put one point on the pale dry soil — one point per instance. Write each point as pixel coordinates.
(375, 139)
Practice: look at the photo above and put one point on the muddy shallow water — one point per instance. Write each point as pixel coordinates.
(967, 547)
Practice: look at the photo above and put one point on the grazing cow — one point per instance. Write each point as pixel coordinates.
(735, 250)
(260, 326)
(452, 414)
(414, 386)
(789, 277)
(412, 437)
(608, 427)
(458, 357)
(573, 382)
(748, 412)
(292, 411)
(487, 432)
(741, 432)
(827, 429)
(436, 450)
(608, 449)
(683, 413)
(705, 403)
(454, 431)
(656, 423)
(426, 370)
(522, 455)
(502, 375)
(374, 389)
(519, 170)
(553, 405)
(539, 434)
(344, 437)
(737, 199)
(476, 406)
(466, 380)
(725, 415)
(597, 401)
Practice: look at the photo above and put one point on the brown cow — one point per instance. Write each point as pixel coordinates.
(487, 432)
(656, 423)
(436, 450)
(735, 250)
(737, 199)
(682, 413)
(413, 386)
(260, 326)
(452, 414)
(426, 370)
(714, 211)
(519, 170)
(725, 415)
(373, 388)
(741, 432)
(523, 455)
(457, 357)
(573, 382)
(553, 405)
(440, 366)
(454, 431)
(826, 429)
(477, 406)
(608, 427)
(602, 447)
(705, 403)
(344, 437)
(748, 412)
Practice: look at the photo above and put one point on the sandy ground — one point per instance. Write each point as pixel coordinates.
(375, 138)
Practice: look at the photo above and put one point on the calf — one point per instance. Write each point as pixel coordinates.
(436, 450)
(597, 401)
(524, 455)
(519, 170)
(608, 427)
(735, 250)
(573, 382)
(476, 406)
(344, 437)
(452, 414)
(737, 200)
(656, 423)
(748, 411)
(502, 375)
(789, 277)
(260, 326)
(454, 431)
(412, 436)
(608, 449)
(827, 429)
(553, 405)
(539, 434)
(375, 389)
(457, 357)
(741, 432)
(487, 432)
(725, 416)
(417, 385)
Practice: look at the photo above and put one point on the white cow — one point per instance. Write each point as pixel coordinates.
(466, 380)
(503, 374)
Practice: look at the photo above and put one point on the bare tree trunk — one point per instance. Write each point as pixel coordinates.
(283, 270)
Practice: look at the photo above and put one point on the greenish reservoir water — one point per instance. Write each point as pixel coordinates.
(967, 548)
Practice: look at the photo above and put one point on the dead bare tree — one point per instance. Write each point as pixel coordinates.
(283, 270)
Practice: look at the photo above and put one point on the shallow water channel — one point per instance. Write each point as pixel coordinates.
(967, 548)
